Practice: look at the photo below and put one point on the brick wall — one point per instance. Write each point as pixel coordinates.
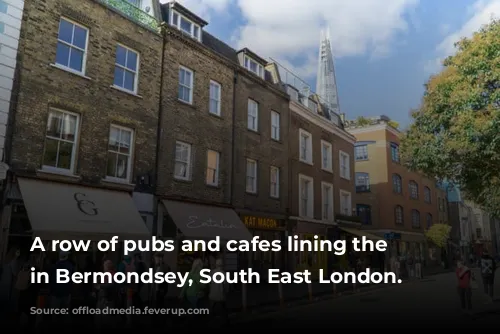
(192, 123)
(259, 146)
(42, 86)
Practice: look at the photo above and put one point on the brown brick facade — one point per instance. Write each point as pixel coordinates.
(193, 123)
(259, 146)
(43, 86)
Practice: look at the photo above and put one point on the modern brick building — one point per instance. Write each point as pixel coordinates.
(84, 127)
(390, 200)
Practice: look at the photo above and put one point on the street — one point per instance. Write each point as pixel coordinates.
(431, 302)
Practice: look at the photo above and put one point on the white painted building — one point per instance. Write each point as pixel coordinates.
(11, 12)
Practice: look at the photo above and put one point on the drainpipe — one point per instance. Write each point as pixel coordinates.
(233, 137)
(159, 133)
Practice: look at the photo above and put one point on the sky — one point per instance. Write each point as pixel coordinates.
(385, 50)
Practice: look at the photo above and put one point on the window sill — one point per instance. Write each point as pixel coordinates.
(52, 172)
(253, 193)
(125, 91)
(345, 178)
(190, 104)
(276, 198)
(327, 170)
(179, 179)
(218, 116)
(214, 186)
(306, 162)
(69, 70)
(253, 131)
(276, 140)
(117, 181)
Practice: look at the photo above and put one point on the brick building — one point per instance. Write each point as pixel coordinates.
(321, 173)
(84, 128)
(391, 200)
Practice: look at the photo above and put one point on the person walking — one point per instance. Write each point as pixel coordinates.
(60, 293)
(193, 293)
(218, 293)
(464, 278)
(488, 268)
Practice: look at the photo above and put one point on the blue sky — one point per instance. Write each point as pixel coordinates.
(384, 50)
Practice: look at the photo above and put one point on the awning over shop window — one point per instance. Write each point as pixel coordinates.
(207, 222)
(66, 211)
(361, 233)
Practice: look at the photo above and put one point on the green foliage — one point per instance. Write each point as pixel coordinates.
(133, 12)
(456, 131)
(361, 121)
(439, 234)
(394, 124)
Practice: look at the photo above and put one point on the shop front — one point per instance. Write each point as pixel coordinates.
(193, 221)
(59, 211)
(269, 229)
(311, 260)
(358, 259)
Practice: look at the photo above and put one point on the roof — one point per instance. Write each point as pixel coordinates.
(184, 11)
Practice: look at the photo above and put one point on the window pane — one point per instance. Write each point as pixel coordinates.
(54, 124)
(119, 74)
(129, 80)
(175, 19)
(187, 78)
(212, 159)
(62, 54)
(121, 55)
(180, 169)
(122, 166)
(68, 127)
(185, 25)
(114, 139)
(65, 31)
(125, 141)
(195, 31)
(65, 154)
(50, 154)
(76, 59)
(132, 60)
(111, 166)
(80, 37)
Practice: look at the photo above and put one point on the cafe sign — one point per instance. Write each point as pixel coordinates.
(261, 223)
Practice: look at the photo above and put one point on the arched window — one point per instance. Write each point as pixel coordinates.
(415, 218)
(427, 195)
(397, 183)
(398, 214)
(413, 189)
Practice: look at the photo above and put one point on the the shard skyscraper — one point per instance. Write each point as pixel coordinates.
(326, 85)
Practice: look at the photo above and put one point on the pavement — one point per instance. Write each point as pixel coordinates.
(431, 302)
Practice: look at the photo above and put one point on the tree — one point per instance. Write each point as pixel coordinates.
(456, 130)
(439, 234)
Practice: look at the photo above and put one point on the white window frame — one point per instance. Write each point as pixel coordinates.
(277, 171)
(327, 216)
(84, 60)
(183, 68)
(178, 25)
(309, 213)
(309, 156)
(256, 117)
(136, 72)
(275, 128)
(347, 157)
(345, 211)
(329, 161)
(216, 169)
(254, 184)
(188, 162)
(217, 99)
(260, 69)
(58, 170)
(130, 156)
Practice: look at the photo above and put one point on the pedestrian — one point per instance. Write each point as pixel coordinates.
(193, 293)
(218, 293)
(410, 262)
(107, 294)
(488, 267)
(60, 293)
(464, 278)
(161, 289)
(28, 291)
(418, 266)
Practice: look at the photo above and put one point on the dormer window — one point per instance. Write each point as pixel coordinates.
(185, 25)
(254, 67)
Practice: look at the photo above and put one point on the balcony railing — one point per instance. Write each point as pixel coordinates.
(132, 12)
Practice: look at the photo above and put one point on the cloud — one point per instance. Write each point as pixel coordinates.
(481, 12)
(289, 29)
(204, 8)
